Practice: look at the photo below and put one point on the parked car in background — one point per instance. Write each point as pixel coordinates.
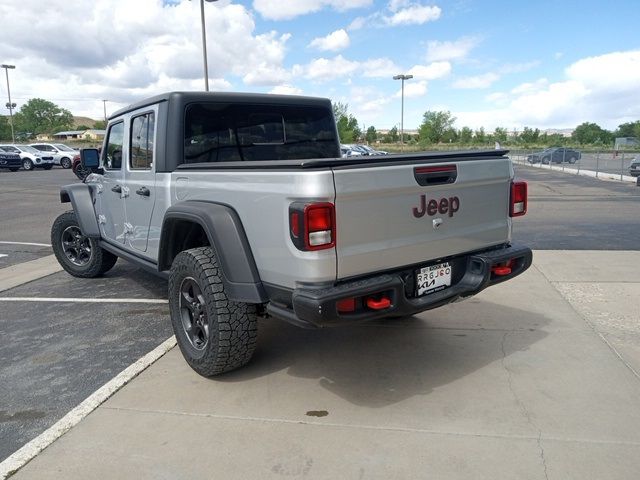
(62, 154)
(10, 161)
(31, 158)
(349, 151)
(555, 155)
(634, 168)
(371, 151)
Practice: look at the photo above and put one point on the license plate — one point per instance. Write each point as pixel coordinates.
(433, 278)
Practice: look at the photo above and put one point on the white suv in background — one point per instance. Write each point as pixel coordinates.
(31, 158)
(62, 154)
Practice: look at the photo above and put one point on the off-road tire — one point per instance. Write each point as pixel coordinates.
(99, 262)
(232, 327)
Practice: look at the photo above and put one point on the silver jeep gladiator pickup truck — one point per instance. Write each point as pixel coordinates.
(244, 202)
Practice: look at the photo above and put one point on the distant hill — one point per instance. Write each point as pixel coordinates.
(77, 121)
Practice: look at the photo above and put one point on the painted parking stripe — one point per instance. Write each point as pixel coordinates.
(26, 243)
(16, 275)
(83, 300)
(25, 454)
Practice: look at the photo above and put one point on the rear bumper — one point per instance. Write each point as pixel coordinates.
(318, 307)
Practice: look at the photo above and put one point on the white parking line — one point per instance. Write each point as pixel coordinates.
(3, 255)
(26, 243)
(83, 300)
(19, 458)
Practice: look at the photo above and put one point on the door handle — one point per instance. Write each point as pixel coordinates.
(116, 189)
(144, 191)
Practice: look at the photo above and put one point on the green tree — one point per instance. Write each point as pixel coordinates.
(347, 124)
(392, 136)
(479, 136)
(629, 129)
(465, 135)
(100, 125)
(371, 135)
(500, 135)
(529, 135)
(591, 133)
(42, 116)
(82, 127)
(5, 128)
(434, 125)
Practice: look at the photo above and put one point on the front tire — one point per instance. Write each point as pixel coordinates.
(65, 162)
(216, 335)
(27, 164)
(47, 167)
(79, 255)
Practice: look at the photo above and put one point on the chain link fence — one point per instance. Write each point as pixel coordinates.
(606, 163)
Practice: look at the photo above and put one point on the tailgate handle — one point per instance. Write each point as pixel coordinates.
(436, 175)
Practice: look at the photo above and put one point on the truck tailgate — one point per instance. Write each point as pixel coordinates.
(385, 219)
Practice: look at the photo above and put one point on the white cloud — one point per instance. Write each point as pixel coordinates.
(288, 9)
(123, 50)
(286, 90)
(335, 41)
(455, 50)
(589, 92)
(414, 15)
(430, 72)
(399, 12)
(326, 69)
(412, 89)
(479, 81)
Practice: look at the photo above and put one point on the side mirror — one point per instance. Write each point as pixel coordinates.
(90, 159)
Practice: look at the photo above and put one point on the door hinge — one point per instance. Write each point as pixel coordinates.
(102, 219)
(128, 228)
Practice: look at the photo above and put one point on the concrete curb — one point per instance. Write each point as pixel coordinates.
(21, 457)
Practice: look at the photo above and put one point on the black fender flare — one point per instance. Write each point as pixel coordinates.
(81, 198)
(227, 237)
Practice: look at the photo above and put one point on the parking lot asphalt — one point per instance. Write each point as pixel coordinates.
(523, 381)
(565, 212)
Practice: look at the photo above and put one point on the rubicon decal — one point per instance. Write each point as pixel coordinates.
(444, 206)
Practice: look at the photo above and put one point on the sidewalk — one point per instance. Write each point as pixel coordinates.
(536, 378)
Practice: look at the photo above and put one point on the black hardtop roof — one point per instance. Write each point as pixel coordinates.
(231, 97)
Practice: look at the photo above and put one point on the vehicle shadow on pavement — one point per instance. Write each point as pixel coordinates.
(375, 365)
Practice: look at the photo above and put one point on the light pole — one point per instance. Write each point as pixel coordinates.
(10, 105)
(204, 45)
(403, 78)
(104, 105)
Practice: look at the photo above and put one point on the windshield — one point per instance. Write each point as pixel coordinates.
(27, 148)
(62, 147)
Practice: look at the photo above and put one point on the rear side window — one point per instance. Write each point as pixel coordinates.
(218, 132)
(142, 141)
(115, 141)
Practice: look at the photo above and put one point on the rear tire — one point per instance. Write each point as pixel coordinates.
(79, 255)
(216, 335)
(65, 162)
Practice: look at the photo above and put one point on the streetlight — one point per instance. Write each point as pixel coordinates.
(10, 105)
(204, 45)
(403, 78)
(104, 105)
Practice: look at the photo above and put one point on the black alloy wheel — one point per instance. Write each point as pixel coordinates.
(193, 314)
(75, 246)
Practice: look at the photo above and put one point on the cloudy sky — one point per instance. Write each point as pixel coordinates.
(545, 64)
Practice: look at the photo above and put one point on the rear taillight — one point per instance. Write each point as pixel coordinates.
(312, 226)
(518, 199)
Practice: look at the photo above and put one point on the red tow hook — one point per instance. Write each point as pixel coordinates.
(381, 304)
(502, 270)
